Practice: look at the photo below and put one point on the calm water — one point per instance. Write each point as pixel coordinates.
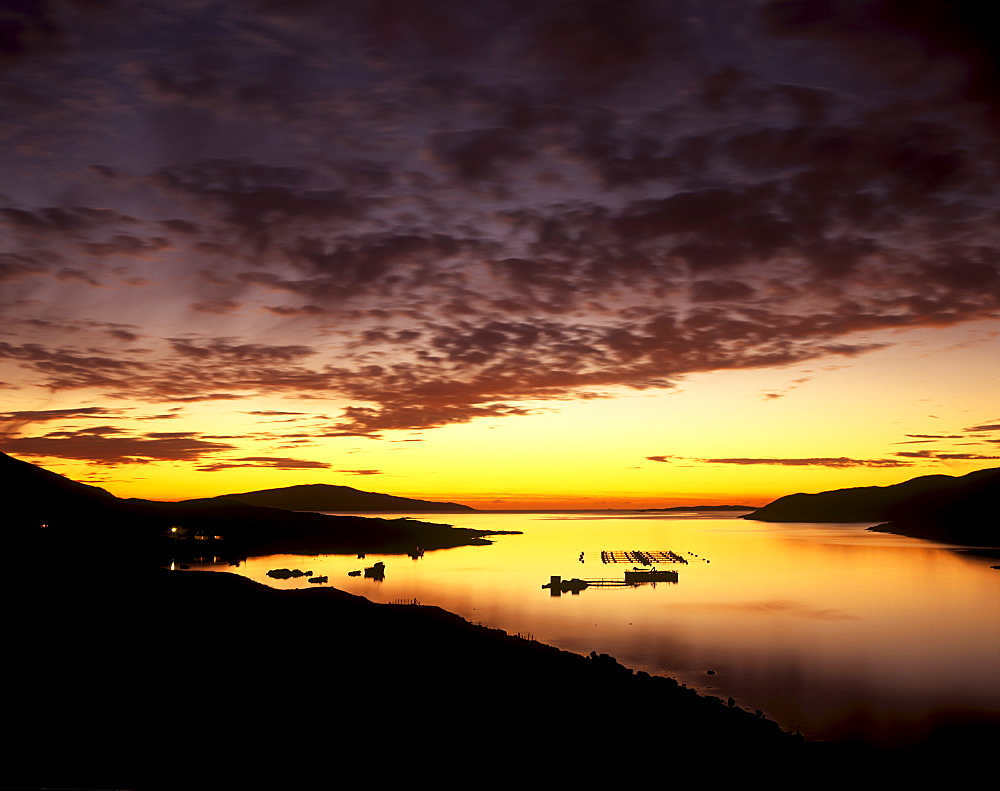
(827, 628)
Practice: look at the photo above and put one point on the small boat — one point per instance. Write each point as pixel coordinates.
(566, 586)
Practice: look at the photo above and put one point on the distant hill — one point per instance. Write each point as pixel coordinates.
(942, 507)
(326, 497)
(79, 518)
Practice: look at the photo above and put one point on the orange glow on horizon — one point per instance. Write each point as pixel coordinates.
(719, 438)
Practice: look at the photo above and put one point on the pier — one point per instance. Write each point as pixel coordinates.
(557, 585)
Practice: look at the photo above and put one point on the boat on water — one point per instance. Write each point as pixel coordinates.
(559, 585)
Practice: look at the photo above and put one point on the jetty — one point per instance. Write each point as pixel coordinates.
(643, 570)
(558, 586)
(643, 558)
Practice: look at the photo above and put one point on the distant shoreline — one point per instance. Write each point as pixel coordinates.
(703, 508)
(674, 509)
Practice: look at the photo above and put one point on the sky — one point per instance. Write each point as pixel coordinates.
(587, 253)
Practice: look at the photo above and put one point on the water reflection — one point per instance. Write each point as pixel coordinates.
(829, 628)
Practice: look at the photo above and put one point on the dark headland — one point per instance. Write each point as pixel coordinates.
(327, 497)
(959, 510)
(119, 674)
(80, 513)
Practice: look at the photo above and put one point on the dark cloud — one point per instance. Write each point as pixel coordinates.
(204, 397)
(125, 245)
(431, 213)
(27, 27)
(68, 368)
(18, 266)
(272, 462)
(104, 445)
(711, 228)
(304, 310)
(44, 415)
(256, 201)
(427, 414)
(597, 44)
(905, 42)
(933, 454)
(273, 412)
(224, 349)
(12, 423)
(218, 307)
(60, 220)
(720, 290)
(836, 462)
(985, 427)
(479, 154)
(840, 461)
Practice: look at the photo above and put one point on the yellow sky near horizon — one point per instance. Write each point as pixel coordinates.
(737, 436)
(743, 253)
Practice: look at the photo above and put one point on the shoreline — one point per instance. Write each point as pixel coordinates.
(207, 679)
(210, 675)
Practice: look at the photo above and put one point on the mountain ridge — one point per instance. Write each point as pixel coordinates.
(955, 509)
(86, 517)
(332, 497)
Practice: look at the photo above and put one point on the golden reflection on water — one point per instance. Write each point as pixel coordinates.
(831, 628)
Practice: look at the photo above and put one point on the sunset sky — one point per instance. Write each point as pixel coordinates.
(513, 254)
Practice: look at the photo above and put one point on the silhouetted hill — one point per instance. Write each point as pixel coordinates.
(202, 680)
(29, 488)
(959, 510)
(87, 516)
(327, 497)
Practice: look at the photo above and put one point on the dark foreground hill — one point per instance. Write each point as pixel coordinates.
(81, 514)
(327, 497)
(942, 507)
(122, 678)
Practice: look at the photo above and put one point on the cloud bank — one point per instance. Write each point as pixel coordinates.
(427, 214)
